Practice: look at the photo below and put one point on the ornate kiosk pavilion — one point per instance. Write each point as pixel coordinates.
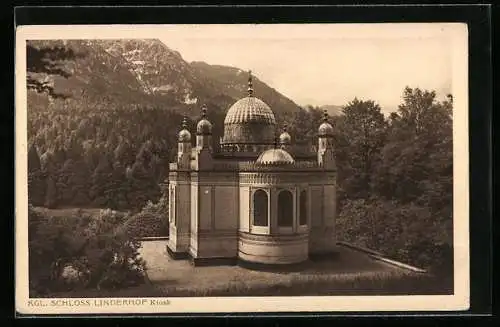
(251, 200)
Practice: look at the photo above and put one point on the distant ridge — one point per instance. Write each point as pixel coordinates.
(333, 110)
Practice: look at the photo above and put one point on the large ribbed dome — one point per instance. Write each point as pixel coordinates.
(249, 121)
(250, 110)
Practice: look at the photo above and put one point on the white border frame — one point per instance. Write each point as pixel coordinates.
(458, 301)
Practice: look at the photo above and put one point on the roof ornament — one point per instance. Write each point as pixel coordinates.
(204, 111)
(250, 84)
(184, 134)
(325, 129)
(285, 138)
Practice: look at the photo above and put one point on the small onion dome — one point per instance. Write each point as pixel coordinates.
(325, 129)
(285, 138)
(204, 126)
(184, 134)
(275, 157)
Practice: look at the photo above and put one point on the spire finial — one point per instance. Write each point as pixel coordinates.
(285, 127)
(250, 84)
(204, 111)
(184, 122)
(325, 115)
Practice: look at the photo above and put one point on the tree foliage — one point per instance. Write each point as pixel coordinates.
(151, 221)
(408, 210)
(67, 253)
(360, 135)
(96, 158)
(44, 60)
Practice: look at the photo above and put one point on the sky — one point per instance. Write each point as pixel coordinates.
(328, 63)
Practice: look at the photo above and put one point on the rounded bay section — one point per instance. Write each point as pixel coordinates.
(273, 249)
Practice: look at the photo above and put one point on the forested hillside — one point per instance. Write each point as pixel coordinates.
(109, 143)
(105, 139)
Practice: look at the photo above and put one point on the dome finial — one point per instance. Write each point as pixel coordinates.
(325, 116)
(285, 127)
(184, 122)
(250, 84)
(204, 127)
(204, 111)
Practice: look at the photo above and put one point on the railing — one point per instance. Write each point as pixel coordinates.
(252, 166)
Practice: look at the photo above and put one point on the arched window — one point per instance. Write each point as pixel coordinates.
(260, 212)
(303, 208)
(285, 209)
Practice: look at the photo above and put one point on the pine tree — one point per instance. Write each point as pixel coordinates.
(36, 178)
(50, 61)
(100, 178)
(80, 183)
(51, 197)
(34, 164)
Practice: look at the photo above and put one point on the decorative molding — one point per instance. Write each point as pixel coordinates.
(263, 178)
(276, 239)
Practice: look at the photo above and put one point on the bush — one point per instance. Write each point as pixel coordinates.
(151, 221)
(406, 232)
(68, 253)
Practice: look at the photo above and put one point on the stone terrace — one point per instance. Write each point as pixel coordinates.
(176, 277)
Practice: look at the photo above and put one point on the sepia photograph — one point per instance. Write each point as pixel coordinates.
(235, 168)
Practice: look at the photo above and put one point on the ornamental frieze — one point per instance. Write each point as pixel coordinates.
(273, 179)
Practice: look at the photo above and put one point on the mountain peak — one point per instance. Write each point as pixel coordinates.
(147, 71)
